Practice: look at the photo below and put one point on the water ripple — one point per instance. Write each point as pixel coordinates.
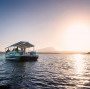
(51, 71)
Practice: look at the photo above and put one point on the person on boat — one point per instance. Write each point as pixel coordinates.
(8, 50)
(16, 50)
(13, 49)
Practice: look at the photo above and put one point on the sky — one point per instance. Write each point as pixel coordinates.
(61, 24)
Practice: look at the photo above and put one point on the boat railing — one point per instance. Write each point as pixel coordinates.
(19, 52)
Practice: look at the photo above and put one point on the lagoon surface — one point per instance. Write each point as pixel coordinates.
(50, 71)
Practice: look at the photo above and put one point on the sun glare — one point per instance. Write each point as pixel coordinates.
(76, 37)
(79, 63)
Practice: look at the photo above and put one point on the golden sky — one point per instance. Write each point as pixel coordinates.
(61, 24)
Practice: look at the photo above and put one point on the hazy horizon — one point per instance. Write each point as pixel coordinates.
(61, 24)
(53, 50)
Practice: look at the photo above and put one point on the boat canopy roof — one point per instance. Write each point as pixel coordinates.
(22, 44)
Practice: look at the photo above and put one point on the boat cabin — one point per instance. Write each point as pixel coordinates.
(21, 48)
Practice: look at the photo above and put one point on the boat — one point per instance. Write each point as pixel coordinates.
(20, 51)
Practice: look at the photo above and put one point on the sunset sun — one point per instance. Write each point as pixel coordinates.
(77, 36)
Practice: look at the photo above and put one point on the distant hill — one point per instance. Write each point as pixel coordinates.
(52, 50)
(47, 49)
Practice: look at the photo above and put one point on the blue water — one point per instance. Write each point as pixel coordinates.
(50, 71)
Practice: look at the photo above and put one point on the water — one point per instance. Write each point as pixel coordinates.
(51, 71)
